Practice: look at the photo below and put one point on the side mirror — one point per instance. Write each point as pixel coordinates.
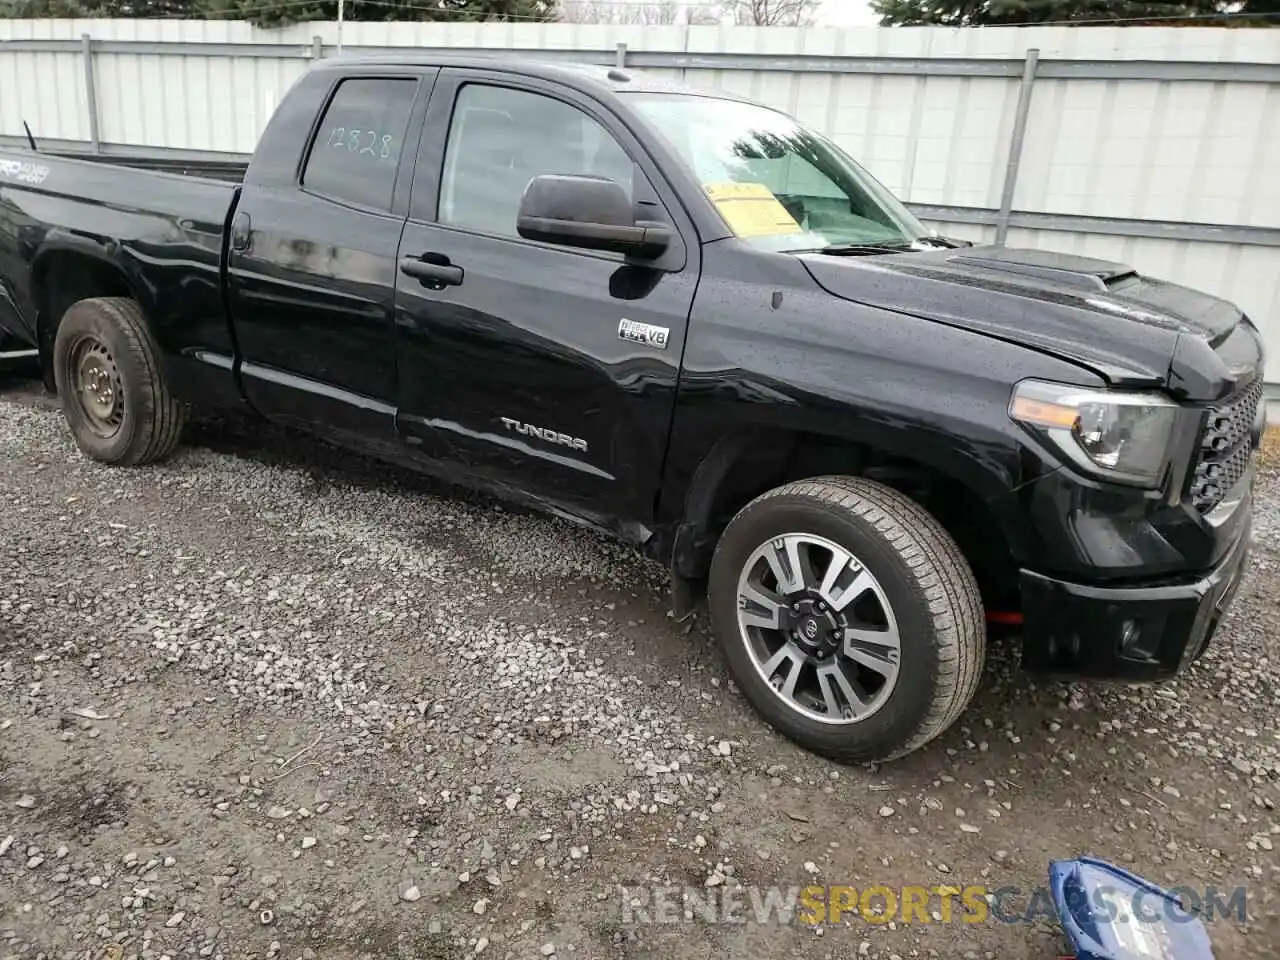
(591, 213)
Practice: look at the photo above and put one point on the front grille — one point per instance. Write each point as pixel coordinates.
(1225, 447)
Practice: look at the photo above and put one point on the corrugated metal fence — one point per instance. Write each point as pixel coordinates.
(1158, 147)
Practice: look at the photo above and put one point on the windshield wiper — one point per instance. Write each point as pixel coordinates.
(862, 249)
(942, 243)
(872, 247)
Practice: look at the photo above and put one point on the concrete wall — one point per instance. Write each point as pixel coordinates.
(1159, 147)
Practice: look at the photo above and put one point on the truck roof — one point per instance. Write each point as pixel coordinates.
(589, 77)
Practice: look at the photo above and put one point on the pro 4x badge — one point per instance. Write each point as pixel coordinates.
(645, 333)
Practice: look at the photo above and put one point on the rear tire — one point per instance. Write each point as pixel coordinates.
(877, 613)
(107, 369)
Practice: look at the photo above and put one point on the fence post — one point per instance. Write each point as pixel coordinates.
(620, 56)
(1015, 145)
(317, 48)
(90, 90)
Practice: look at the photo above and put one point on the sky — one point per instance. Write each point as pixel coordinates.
(847, 13)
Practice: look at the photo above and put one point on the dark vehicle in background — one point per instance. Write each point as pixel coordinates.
(689, 321)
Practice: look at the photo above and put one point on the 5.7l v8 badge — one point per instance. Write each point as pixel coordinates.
(645, 333)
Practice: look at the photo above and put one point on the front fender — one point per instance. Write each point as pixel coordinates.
(764, 367)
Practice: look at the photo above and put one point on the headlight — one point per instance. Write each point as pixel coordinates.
(1123, 437)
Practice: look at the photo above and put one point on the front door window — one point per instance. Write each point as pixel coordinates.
(501, 138)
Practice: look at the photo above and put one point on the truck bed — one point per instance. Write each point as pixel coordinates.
(157, 182)
(164, 230)
(229, 171)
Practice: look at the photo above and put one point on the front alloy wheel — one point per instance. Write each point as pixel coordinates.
(848, 617)
(819, 628)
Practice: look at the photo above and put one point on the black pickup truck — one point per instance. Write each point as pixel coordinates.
(687, 320)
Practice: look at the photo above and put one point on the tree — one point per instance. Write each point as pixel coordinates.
(280, 13)
(41, 9)
(772, 13)
(608, 11)
(474, 10)
(630, 12)
(596, 11)
(1260, 13)
(978, 13)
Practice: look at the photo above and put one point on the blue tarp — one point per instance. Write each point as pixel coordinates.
(1110, 914)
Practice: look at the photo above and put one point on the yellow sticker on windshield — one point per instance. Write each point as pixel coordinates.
(751, 209)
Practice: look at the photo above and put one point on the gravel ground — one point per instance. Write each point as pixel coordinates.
(271, 700)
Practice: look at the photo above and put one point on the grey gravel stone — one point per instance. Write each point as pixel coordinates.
(354, 611)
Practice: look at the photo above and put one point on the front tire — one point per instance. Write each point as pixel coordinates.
(848, 617)
(107, 370)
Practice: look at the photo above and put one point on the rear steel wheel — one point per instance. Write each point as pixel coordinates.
(106, 366)
(97, 387)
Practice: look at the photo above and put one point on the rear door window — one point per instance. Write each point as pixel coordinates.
(357, 148)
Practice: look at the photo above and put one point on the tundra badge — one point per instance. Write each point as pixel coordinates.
(645, 333)
(542, 433)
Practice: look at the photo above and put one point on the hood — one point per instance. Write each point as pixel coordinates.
(1103, 315)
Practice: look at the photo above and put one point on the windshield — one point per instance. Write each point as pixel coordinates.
(779, 185)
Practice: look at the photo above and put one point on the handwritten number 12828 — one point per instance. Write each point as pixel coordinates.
(366, 143)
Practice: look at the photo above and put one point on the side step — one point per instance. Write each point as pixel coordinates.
(17, 359)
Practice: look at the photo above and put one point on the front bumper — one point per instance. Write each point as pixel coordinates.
(1131, 633)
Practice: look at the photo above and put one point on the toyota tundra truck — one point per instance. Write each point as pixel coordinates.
(689, 321)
